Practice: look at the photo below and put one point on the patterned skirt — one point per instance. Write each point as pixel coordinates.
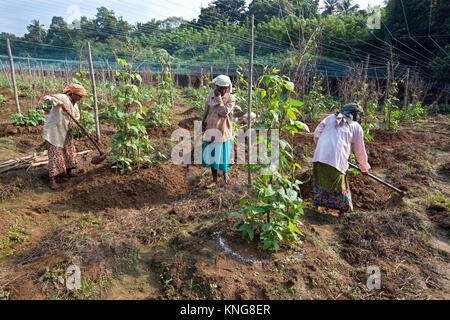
(331, 188)
(60, 159)
(216, 155)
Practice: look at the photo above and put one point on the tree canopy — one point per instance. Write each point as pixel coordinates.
(416, 32)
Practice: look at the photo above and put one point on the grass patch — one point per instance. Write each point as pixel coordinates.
(16, 235)
(8, 149)
(437, 199)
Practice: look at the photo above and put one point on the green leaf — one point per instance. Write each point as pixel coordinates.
(302, 125)
(269, 191)
(289, 85)
(290, 114)
(251, 233)
(294, 228)
(295, 103)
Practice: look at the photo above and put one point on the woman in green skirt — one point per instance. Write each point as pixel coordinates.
(336, 136)
(218, 117)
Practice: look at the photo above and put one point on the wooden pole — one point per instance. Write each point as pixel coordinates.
(406, 90)
(6, 73)
(13, 77)
(94, 91)
(110, 79)
(32, 83)
(249, 109)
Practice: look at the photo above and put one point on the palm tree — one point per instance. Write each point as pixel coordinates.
(36, 32)
(346, 6)
(330, 7)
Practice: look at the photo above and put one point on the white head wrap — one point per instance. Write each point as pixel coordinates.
(223, 81)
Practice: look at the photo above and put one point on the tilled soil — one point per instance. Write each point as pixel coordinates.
(180, 234)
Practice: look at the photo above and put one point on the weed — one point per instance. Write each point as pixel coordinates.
(16, 235)
(4, 295)
(437, 199)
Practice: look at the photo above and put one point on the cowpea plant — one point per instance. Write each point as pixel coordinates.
(130, 144)
(272, 215)
(31, 117)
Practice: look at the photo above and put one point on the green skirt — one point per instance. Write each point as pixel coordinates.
(331, 188)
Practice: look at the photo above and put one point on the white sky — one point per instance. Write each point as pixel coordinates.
(15, 15)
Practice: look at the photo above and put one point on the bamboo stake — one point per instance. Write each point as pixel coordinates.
(406, 90)
(249, 109)
(94, 91)
(6, 73)
(13, 77)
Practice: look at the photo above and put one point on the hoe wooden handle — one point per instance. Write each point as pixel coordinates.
(379, 180)
(82, 128)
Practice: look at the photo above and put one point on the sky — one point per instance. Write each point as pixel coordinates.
(15, 15)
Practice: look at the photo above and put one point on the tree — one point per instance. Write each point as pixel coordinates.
(346, 6)
(222, 10)
(409, 22)
(105, 23)
(331, 6)
(36, 32)
(58, 32)
(306, 8)
(265, 10)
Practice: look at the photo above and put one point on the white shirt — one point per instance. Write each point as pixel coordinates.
(334, 144)
(58, 122)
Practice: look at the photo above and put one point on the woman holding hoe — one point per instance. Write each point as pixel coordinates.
(61, 151)
(218, 115)
(335, 137)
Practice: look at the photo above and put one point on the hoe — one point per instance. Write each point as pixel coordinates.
(97, 159)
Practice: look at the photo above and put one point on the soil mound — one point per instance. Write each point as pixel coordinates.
(367, 194)
(107, 189)
(7, 129)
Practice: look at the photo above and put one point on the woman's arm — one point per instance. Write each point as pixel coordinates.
(319, 129)
(225, 109)
(359, 149)
(205, 114)
(55, 102)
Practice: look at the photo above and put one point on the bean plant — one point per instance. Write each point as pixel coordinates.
(162, 101)
(31, 117)
(272, 215)
(391, 112)
(314, 101)
(130, 144)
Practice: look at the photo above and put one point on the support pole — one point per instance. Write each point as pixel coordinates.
(13, 77)
(249, 109)
(406, 90)
(6, 73)
(94, 92)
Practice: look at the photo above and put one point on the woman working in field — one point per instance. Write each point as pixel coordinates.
(61, 151)
(218, 115)
(336, 136)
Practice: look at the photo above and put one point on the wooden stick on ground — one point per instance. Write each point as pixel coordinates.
(33, 160)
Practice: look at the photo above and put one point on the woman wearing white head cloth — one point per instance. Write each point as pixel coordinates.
(218, 115)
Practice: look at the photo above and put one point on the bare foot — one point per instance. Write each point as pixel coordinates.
(343, 214)
(71, 174)
(53, 184)
(211, 185)
(227, 178)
